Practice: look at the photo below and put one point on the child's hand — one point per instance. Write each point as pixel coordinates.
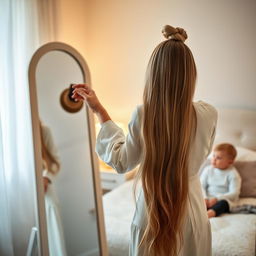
(85, 93)
(212, 202)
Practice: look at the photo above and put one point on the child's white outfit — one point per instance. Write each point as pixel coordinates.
(221, 184)
(124, 154)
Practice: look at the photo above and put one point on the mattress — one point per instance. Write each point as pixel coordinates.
(119, 207)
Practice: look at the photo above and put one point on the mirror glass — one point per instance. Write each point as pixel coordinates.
(67, 167)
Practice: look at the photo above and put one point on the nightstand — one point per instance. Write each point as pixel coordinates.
(110, 179)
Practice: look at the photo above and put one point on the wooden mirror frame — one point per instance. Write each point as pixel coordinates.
(41, 218)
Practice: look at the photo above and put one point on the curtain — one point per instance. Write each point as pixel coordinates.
(47, 20)
(21, 34)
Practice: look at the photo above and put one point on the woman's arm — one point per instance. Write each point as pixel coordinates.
(121, 152)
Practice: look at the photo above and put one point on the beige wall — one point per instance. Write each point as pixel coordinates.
(117, 37)
(72, 23)
(222, 38)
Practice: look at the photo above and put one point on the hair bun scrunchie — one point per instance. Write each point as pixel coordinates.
(170, 32)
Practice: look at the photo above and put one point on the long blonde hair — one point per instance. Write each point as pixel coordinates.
(168, 124)
(50, 163)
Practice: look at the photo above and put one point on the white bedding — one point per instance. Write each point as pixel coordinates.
(232, 234)
(119, 207)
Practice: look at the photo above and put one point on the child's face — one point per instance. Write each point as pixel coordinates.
(221, 160)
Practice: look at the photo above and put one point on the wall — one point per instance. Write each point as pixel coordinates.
(72, 19)
(117, 37)
(222, 38)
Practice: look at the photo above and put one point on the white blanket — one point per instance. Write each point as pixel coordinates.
(232, 234)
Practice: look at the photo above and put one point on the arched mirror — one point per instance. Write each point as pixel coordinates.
(70, 215)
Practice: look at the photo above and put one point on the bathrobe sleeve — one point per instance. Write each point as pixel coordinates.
(123, 153)
(204, 181)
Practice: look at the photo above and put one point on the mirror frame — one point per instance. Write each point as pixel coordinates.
(40, 211)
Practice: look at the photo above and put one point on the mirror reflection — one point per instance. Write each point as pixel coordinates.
(67, 167)
(51, 167)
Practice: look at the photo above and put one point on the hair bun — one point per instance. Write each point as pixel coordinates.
(170, 32)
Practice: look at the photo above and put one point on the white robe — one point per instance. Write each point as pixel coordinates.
(124, 154)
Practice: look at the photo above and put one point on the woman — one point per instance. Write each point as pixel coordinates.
(51, 167)
(169, 136)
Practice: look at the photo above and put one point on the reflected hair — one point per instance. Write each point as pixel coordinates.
(50, 163)
(168, 124)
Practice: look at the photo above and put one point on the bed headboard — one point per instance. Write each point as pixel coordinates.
(236, 126)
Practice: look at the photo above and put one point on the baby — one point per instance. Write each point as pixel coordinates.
(220, 181)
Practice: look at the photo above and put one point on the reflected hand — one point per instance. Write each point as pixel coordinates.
(46, 183)
(85, 93)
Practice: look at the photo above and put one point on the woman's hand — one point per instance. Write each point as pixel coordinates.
(85, 93)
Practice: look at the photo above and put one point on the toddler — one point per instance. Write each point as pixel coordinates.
(220, 181)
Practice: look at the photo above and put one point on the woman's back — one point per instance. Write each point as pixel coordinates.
(197, 231)
(124, 154)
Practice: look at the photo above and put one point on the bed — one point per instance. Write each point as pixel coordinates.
(232, 234)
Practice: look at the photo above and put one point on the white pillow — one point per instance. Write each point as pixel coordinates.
(245, 154)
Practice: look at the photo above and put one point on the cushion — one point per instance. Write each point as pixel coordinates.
(247, 171)
(245, 154)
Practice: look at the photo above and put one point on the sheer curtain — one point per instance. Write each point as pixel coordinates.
(21, 34)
